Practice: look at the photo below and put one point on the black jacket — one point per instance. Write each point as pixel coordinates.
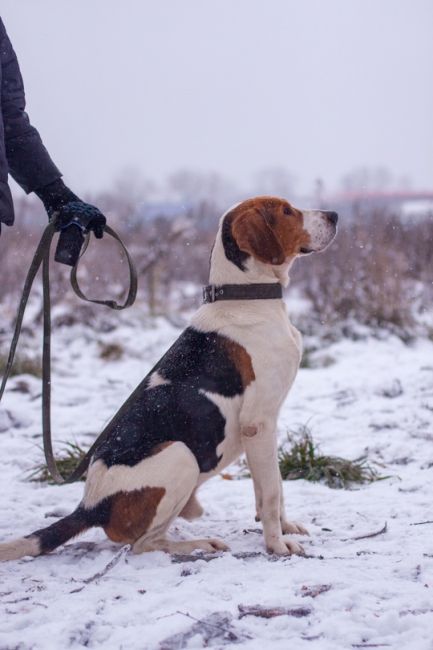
(22, 153)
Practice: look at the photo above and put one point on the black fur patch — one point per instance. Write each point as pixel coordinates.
(77, 522)
(178, 410)
(231, 249)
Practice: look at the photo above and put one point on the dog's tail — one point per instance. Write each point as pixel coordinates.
(47, 539)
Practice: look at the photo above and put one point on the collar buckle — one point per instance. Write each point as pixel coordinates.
(209, 293)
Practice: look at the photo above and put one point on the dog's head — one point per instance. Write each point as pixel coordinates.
(270, 231)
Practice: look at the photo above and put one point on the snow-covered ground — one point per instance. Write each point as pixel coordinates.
(368, 396)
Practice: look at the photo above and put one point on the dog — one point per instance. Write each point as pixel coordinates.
(214, 395)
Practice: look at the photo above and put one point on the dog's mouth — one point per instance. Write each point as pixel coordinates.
(305, 251)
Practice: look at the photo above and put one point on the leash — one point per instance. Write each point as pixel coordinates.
(42, 257)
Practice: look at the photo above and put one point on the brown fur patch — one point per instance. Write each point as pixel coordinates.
(269, 228)
(132, 513)
(241, 359)
(162, 445)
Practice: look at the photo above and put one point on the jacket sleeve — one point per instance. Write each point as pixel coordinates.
(28, 160)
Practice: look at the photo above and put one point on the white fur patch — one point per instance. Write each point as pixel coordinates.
(320, 229)
(169, 466)
(19, 548)
(157, 380)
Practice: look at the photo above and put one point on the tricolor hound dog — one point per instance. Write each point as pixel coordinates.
(214, 395)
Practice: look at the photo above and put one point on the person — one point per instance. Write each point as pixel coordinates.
(24, 156)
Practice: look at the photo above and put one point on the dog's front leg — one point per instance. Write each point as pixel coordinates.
(288, 526)
(261, 451)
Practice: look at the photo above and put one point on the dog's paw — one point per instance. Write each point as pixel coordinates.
(293, 527)
(284, 546)
(214, 545)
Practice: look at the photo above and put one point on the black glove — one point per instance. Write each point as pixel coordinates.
(74, 218)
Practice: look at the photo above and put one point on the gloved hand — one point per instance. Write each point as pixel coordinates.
(74, 218)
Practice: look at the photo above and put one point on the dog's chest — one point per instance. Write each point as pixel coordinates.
(275, 348)
(275, 352)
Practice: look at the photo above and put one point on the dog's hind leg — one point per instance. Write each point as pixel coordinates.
(192, 508)
(177, 479)
(143, 499)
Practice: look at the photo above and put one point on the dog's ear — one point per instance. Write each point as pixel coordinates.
(254, 235)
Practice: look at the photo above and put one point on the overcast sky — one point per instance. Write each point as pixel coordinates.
(316, 86)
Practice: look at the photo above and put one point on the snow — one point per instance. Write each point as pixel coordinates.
(371, 396)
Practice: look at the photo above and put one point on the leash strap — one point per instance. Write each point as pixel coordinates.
(44, 245)
(42, 256)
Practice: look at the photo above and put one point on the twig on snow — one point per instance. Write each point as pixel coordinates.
(314, 590)
(371, 645)
(415, 612)
(272, 612)
(243, 555)
(216, 626)
(180, 558)
(216, 616)
(369, 535)
(111, 564)
(421, 523)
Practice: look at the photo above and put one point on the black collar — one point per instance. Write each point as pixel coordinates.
(213, 292)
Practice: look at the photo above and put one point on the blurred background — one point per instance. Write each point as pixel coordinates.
(164, 114)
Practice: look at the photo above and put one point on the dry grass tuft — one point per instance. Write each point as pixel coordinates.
(304, 460)
(22, 365)
(111, 351)
(66, 463)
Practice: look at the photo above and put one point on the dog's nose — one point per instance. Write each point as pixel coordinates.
(332, 216)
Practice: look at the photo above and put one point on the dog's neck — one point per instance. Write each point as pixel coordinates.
(223, 271)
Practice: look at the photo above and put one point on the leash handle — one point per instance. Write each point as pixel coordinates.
(42, 256)
(132, 292)
(69, 245)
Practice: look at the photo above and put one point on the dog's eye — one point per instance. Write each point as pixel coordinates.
(286, 210)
